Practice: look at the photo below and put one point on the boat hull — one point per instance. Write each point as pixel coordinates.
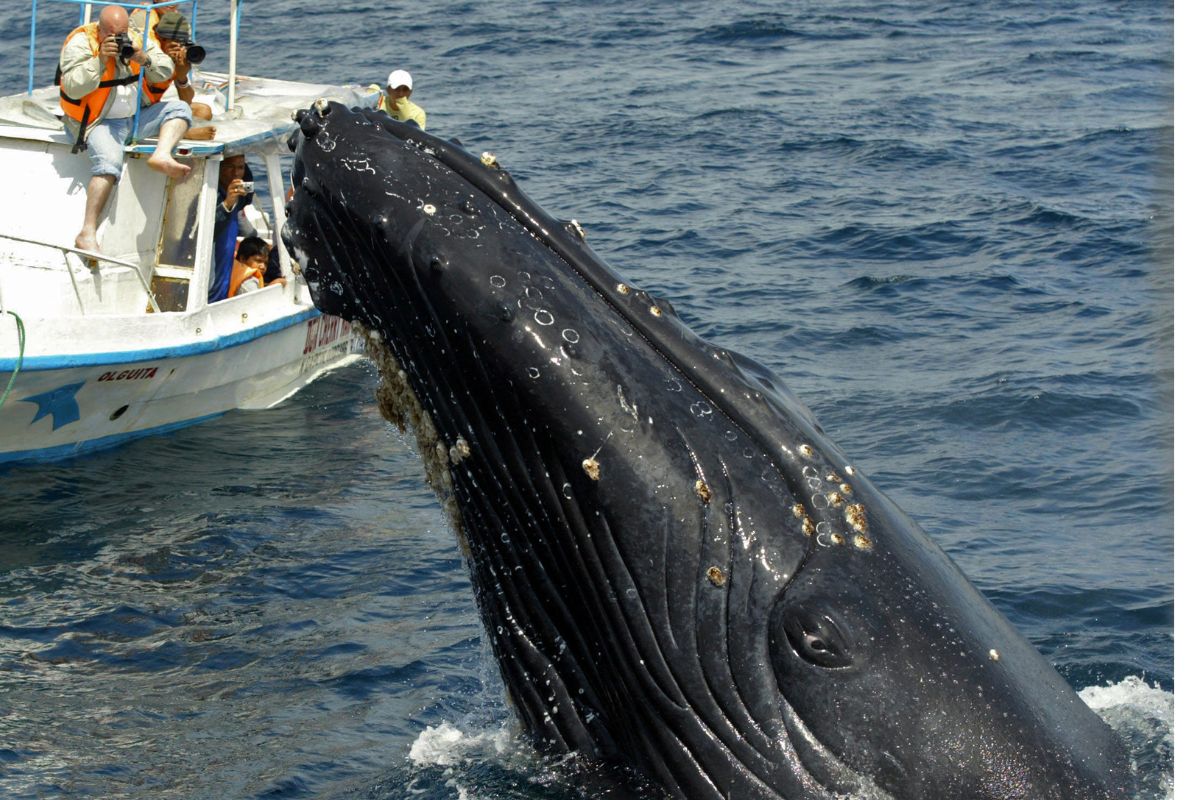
(65, 404)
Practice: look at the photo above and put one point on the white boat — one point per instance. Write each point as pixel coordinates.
(100, 348)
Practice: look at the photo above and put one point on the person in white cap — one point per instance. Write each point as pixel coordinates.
(394, 100)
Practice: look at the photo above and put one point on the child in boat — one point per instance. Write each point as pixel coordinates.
(249, 265)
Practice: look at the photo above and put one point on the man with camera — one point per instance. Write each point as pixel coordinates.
(100, 69)
(173, 33)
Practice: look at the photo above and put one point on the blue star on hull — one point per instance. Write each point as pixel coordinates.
(59, 404)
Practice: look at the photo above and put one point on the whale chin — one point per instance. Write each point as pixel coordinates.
(676, 569)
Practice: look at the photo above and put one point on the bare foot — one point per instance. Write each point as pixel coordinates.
(86, 240)
(207, 132)
(168, 166)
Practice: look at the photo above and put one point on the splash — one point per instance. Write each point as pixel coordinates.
(447, 746)
(1143, 715)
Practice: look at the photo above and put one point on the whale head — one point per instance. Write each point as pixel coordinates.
(674, 565)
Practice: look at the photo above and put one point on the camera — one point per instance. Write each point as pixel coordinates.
(125, 46)
(247, 186)
(195, 53)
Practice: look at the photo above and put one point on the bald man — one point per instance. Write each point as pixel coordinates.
(99, 96)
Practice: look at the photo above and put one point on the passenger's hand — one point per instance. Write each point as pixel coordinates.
(177, 52)
(236, 190)
(109, 48)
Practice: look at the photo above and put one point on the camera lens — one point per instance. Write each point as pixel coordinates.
(125, 45)
(195, 53)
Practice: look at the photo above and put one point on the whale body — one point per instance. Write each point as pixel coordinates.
(677, 570)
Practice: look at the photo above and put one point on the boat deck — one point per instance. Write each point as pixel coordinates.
(263, 112)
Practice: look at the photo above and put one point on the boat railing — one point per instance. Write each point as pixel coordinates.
(88, 254)
(143, 8)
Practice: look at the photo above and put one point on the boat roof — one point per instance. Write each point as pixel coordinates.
(254, 114)
(261, 118)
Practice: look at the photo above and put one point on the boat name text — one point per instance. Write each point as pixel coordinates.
(145, 373)
(324, 331)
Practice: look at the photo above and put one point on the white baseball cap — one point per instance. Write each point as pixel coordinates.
(399, 78)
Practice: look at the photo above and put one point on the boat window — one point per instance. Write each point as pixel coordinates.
(262, 195)
(180, 221)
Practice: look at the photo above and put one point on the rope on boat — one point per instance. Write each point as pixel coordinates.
(20, 355)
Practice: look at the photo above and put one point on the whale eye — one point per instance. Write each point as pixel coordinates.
(817, 639)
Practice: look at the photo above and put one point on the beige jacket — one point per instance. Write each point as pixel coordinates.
(81, 71)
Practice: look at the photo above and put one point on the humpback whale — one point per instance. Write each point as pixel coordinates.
(677, 570)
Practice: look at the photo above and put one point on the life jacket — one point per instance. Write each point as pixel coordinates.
(89, 109)
(155, 16)
(154, 91)
(240, 273)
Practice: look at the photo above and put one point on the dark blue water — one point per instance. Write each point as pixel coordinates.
(948, 226)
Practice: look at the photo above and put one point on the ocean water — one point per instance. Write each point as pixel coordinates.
(947, 226)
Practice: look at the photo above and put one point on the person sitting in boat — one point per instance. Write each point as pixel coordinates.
(173, 33)
(249, 267)
(99, 69)
(395, 102)
(235, 189)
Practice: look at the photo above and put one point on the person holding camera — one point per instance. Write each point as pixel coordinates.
(99, 71)
(173, 33)
(235, 191)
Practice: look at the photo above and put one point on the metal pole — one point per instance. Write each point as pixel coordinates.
(193, 70)
(85, 14)
(137, 112)
(32, 40)
(278, 214)
(235, 20)
(206, 209)
(75, 286)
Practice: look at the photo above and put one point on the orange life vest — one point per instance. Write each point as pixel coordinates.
(155, 91)
(240, 274)
(155, 16)
(87, 110)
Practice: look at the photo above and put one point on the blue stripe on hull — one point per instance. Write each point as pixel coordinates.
(79, 448)
(70, 360)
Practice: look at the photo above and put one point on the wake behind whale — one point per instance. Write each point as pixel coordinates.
(676, 569)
